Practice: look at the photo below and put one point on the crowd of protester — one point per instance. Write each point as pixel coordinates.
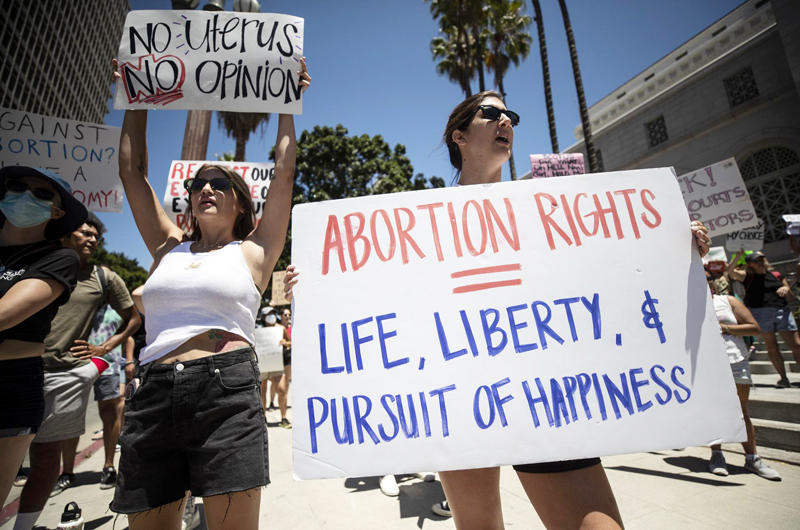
(182, 388)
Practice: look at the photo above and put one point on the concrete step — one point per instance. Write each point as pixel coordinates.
(765, 367)
(764, 356)
(777, 434)
(769, 453)
(765, 409)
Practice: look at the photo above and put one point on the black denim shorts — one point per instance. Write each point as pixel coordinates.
(196, 425)
(21, 396)
(557, 467)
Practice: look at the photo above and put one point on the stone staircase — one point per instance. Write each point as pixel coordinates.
(775, 412)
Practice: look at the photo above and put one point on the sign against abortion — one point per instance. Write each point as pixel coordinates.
(749, 239)
(211, 61)
(257, 175)
(556, 165)
(83, 154)
(716, 196)
(516, 355)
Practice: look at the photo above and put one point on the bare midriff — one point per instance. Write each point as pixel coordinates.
(20, 349)
(211, 342)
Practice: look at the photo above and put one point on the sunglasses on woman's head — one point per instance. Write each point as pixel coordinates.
(218, 184)
(18, 186)
(493, 113)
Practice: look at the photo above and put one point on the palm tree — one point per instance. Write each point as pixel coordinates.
(239, 126)
(509, 43)
(576, 70)
(548, 95)
(447, 47)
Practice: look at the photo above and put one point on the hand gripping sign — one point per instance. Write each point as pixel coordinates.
(83, 154)
(241, 62)
(257, 176)
(512, 323)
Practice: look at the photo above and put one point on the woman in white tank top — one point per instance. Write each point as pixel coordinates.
(735, 322)
(195, 420)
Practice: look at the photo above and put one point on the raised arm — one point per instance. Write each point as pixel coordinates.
(266, 242)
(154, 225)
(734, 273)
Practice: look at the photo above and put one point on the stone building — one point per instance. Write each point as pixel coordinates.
(733, 90)
(55, 56)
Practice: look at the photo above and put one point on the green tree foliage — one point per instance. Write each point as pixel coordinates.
(331, 164)
(127, 268)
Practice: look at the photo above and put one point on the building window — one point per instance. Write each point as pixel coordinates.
(656, 132)
(741, 87)
(777, 190)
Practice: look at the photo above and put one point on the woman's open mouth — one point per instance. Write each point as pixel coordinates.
(208, 202)
(502, 139)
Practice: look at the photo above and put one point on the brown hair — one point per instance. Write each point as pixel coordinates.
(245, 222)
(460, 119)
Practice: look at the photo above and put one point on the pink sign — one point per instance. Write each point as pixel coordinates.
(556, 165)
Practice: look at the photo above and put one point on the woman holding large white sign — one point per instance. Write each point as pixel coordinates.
(194, 419)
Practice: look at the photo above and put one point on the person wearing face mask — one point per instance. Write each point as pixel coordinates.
(37, 276)
(269, 318)
(279, 381)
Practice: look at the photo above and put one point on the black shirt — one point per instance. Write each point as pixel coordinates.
(762, 290)
(44, 260)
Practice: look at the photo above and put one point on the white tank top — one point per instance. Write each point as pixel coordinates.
(734, 345)
(190, 293)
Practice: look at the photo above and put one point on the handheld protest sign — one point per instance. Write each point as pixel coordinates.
(519, 322)
(715, 254)
(557, 165)
(748, 239)
(268, 349)
(257, 176)
(278, 296)
(83, 154)
(239, 62)
(717, 197)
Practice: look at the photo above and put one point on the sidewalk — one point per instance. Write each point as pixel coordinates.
(666, 489)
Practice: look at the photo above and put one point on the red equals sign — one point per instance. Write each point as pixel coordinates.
(486, 285)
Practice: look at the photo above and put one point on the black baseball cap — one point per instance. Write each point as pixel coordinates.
(75, 213)
(755, 256)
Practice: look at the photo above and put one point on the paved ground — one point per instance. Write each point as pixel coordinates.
(667, 489)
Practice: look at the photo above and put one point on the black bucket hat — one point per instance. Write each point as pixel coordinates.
(75, 213)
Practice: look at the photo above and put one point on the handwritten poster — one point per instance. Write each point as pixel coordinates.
(241, 62)
(268, 349)
(716, 196)
(748, 239)
(557, 165)
(278, 296)
(257, 176)
(458, 328)
(83, 154)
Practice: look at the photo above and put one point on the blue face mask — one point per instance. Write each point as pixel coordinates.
(23, 210)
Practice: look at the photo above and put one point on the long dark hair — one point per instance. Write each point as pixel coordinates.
(246, 220)
(460, 119)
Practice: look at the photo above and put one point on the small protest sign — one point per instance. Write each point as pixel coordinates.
(268, 349)
(257, 176)
(83, 154)
(556, 165)
(241, 62)
(717, 197)
(716, 254)
(516, 354)
(792, 224)
(748, 239)
(278, 296)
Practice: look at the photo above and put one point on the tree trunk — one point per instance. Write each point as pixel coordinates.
(241, 142)
(195, 136)
(463, 50)
(548, 94)
(512, 168)
(573, 54)
(479, 56)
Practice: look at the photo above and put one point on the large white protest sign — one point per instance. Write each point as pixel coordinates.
(557, 165)
(747, 239)
(716, 196)
(269, 349)
(257, 176)
(83, 154)
(241, 62)
(458, 328)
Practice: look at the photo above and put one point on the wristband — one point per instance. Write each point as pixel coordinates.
(129, 362)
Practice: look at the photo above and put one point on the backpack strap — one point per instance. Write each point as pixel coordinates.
(102, 280)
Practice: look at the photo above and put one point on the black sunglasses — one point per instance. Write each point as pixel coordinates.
(17, 186)
(493, 113)
(218, 184)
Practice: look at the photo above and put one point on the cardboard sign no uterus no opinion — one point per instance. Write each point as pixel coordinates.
(456, 328)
